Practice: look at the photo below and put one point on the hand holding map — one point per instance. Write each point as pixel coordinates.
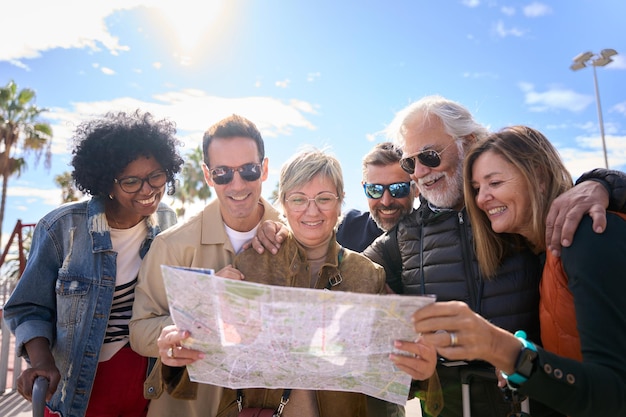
(256, 335)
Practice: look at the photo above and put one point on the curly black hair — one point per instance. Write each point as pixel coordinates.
(103, 147)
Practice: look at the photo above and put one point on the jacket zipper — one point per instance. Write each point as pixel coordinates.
(467, 264)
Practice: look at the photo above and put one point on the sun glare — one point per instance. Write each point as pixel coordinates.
(189, 21)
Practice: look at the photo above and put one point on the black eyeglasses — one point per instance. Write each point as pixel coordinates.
(224, 175)
(132, 185)
(323, 201)
(397, 190)
(429, 158)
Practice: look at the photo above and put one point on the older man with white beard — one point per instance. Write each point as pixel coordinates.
(435, 244)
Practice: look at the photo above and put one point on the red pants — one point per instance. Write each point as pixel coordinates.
(118, 388)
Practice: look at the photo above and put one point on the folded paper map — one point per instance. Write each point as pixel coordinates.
(261, 336)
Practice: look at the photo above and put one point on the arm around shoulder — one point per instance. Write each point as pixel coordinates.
(615, 183)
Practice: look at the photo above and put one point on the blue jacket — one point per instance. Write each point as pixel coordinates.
(357, 230)
(66, 291)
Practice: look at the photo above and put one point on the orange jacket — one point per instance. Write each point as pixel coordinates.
(557, 315)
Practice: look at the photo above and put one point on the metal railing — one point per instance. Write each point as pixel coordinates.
(12, 264)
(13, 258)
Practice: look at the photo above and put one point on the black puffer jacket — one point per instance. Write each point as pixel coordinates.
(438, 258)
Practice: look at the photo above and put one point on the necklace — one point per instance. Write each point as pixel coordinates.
(117, 224)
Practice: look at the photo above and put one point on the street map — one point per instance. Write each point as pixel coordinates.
(261, 336)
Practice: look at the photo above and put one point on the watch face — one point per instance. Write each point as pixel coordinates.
(526, 362)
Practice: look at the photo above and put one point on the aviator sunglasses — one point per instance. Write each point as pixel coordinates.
(224, 175)
(429, 158)
(397, 190)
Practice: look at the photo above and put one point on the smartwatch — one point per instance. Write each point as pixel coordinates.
(525, 364)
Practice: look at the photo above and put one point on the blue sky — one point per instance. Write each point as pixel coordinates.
(324, 73)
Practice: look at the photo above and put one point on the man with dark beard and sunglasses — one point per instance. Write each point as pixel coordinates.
(235, 166)
(390, 196)
(435, 245)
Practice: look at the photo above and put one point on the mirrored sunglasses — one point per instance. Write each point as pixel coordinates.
(429, 158)
(224, 175)
(397, 190)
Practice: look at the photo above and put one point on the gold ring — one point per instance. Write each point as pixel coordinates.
(453, 339)
(170, 353)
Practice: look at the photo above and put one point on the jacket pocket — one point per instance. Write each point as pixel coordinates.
(72, 297)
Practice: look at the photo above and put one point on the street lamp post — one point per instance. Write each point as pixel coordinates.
(596, 60)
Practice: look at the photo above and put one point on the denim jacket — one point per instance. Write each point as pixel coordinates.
(66, 291)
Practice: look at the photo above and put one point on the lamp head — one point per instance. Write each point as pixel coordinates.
(607, 53)
(600, 62)
(582, 58)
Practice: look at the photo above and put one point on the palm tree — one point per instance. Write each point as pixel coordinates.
(20, 131)
(193, 186)
(69, 192)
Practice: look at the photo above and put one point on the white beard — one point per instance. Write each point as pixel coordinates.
(452, 194)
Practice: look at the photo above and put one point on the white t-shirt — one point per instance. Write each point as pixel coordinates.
(238, 239)
(126, 242)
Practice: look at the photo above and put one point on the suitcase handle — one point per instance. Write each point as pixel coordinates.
(467, 374)
(40, 389)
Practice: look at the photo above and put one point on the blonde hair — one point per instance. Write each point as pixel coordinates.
(305, 165)
(545, 175)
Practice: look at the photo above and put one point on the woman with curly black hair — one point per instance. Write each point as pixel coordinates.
(71, 307)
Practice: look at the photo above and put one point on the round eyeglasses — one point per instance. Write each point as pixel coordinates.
(429, 158)
(224, 175)
(132, 185)
(323, 201)
(397, 190)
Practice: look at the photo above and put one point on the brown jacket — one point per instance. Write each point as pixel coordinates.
(290, 268)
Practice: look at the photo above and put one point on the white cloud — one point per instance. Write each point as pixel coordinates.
(58, 21)
(272, 116)
(501, 31)
(283, 84)
(589, 153)
(619, 62)
(509, 11)
(107, 71)
(555, 98)
(63, 30)
(537, 10)
(32, 195)
(619, 108)
(312, 76)
(470, 3)
(477, 75)
(18, 64)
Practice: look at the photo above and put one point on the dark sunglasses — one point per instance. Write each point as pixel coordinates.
(224, 175)
(397, 190)
(429, 158)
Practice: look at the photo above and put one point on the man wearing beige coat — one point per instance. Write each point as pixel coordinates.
(235, 166)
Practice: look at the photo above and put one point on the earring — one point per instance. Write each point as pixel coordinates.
(110, 197)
